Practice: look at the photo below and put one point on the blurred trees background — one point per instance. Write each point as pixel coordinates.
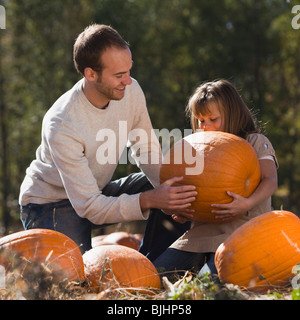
(176, 45)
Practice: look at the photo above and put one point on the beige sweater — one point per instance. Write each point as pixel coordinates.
(80, 149)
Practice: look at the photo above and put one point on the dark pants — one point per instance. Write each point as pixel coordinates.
(59, 216)
(161, 230)
(180, 261)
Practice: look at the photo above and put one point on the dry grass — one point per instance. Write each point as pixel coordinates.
(28, 280)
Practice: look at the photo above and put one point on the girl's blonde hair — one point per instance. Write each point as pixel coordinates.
(236, 117)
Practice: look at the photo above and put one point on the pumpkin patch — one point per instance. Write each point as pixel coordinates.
(215, 162)
(262, 253)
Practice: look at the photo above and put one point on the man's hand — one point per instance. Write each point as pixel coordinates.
(169, 197)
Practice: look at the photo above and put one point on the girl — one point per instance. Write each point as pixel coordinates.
(217, 106)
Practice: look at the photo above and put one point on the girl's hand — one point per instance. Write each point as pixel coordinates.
(182, 216)
(241, 205)
(181, 219)
(238, 206)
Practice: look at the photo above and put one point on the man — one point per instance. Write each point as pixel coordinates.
(68, 186)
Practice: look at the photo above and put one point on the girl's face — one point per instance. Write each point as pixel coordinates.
(211, 121)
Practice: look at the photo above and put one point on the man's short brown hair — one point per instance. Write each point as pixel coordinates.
(91, 43)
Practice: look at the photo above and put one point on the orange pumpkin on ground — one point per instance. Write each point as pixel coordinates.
(215, 162)
(119, 237)
(261, 253)
(113, 266)
(54, 249)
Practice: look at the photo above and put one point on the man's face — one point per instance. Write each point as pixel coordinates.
(115, 75)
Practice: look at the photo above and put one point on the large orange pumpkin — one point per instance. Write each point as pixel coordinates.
(215, 162)
(109, 266)
(55, 250)
(261, 253)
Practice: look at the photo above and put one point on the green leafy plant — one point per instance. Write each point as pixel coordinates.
(201, 287)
